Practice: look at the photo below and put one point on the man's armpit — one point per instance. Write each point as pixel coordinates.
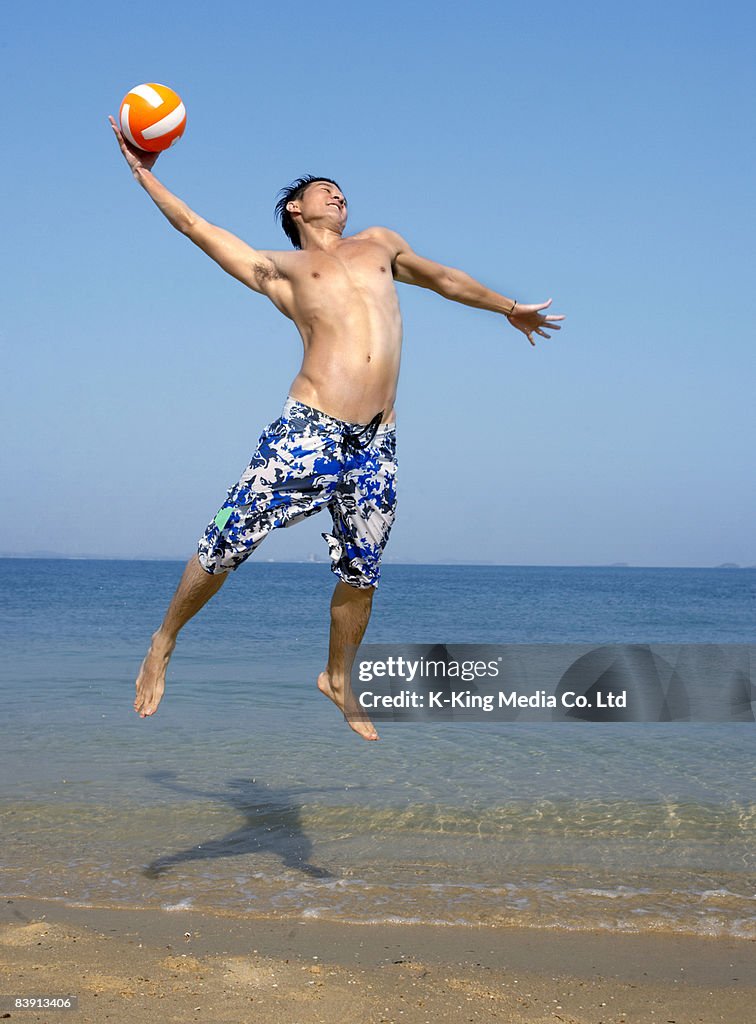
(268, 271)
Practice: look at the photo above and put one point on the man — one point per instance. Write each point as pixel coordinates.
(334, 445)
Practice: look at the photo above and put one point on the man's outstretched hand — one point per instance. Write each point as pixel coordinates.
(135, 158)
(530, 320)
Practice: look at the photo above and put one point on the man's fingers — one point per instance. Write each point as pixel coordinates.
(523, 308)
(117, 132)
(560, 316)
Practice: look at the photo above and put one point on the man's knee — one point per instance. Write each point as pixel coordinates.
(353, 592)
(210, 566)
(361, 591)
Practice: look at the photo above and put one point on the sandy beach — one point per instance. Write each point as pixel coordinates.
(155, 966)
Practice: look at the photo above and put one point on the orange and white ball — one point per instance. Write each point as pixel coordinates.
(152, 117)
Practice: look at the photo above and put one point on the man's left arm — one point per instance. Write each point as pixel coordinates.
(456, 285)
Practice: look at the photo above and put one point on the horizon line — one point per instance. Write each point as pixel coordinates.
(58, 557)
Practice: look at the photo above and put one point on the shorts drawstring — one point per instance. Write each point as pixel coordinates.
(355, 441)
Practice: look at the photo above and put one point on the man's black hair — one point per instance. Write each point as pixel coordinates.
(295, 191)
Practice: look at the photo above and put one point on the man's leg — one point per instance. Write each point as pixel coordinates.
(239, 527)
(362, 510)
(195, 590)
(350, 613)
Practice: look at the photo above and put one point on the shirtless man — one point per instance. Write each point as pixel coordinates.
(334, 445)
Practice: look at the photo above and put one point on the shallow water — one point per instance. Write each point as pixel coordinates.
(248, 794)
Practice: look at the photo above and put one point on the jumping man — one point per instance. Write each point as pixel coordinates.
(334, 445)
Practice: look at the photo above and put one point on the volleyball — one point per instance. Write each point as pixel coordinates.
(152, 117)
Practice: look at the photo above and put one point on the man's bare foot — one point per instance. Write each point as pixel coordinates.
(344, 700)
(150, 684)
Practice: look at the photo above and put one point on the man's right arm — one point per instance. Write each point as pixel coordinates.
(252, 267)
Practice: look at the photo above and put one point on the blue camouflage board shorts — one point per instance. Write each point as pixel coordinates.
(306, 461)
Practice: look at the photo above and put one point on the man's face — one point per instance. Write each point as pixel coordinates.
(322, 200)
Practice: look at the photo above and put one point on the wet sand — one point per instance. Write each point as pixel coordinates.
(157, 966)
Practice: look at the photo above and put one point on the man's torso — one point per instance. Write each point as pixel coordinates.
(345, 305)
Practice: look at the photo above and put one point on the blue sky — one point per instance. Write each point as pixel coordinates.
(601, 154)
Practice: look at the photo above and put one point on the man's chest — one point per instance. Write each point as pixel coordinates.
(354, 269)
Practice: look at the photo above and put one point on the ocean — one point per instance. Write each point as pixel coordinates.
(246, 794)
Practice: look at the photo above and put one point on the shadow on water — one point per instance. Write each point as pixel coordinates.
(273, 826)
